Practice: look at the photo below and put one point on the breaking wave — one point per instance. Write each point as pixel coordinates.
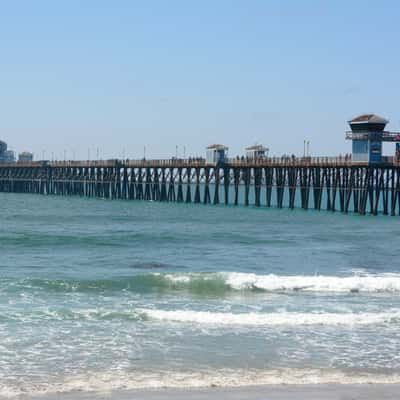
(219, 283)
(315, 283)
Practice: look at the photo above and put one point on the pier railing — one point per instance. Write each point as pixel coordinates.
(291, 161)
(323, 161)
(380, 136)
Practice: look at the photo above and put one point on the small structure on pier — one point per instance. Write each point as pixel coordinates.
(216, 153)
(367, 134)
(25, 156)
(256, 152)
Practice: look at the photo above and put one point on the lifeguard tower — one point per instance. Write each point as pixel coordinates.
(216, 153)
(367, 134)
(256, 152)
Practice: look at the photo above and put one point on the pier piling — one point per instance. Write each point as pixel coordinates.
(325, 183)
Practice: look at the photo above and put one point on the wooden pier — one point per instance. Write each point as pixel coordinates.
(329, 183)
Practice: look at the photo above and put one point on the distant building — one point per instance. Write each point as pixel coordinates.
(216, 153)
(256, 152)
(25, 156)
(3, 147)
(6, 156)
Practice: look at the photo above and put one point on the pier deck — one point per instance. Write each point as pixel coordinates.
(330, 183)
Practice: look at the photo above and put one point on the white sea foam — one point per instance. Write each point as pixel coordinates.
(310, 283)
(271, 319)
(105, 382)
(371, 283)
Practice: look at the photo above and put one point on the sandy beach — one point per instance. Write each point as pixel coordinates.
(282, 392)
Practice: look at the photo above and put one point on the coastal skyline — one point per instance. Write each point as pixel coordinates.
(123, 77)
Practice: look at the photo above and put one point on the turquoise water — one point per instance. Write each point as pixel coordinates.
(113, 295)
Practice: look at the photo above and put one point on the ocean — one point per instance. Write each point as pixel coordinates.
(100, 295)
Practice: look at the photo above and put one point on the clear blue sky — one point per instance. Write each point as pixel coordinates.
(128, 74)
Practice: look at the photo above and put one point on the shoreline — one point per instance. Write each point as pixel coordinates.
(265, 392)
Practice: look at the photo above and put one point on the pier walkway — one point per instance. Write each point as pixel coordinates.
(330, 183)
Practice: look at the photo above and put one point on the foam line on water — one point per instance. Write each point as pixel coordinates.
(105, 382)
(271, 319)
(315, 283)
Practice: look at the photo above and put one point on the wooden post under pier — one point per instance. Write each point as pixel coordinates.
(336, 184)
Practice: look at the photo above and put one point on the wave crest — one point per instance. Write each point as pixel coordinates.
(316, 283)
(219, 283)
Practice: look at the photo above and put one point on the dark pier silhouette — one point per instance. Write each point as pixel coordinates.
(329, 183)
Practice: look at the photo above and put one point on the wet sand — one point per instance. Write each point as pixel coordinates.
(283, 392)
